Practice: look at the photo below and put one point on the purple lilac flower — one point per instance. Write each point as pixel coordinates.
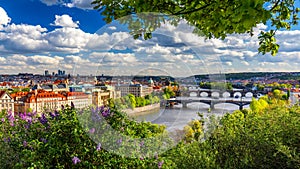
(3, 120)
(142, 144)
(6, 140)
(160, 164)
(119, 141)
(43, 119)
(27, 126)
(34, 113)
(24, 143)
(62, 107)
(95, 115)
(43, 140)
(106, 113)
(92, 130)
(54, 114)
(10, 116)
(100, 109)
(29, 120)
(22, 115)
(156, 156)
(76, 160)
(98, 147)
(141, 158)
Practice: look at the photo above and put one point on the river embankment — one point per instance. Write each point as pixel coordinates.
(142, 110)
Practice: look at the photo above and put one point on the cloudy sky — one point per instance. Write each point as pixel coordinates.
(39, 35)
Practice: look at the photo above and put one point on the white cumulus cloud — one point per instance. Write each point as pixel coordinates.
(82, 4)
(4, 18)
(65, 21)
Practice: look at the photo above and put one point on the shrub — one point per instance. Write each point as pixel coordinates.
(62, 139)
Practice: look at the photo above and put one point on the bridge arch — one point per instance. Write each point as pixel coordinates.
(215, 94)
(239, 94)
(226, 94)
(203, 94)
(199, 104)
(193, 94)
(249, 94)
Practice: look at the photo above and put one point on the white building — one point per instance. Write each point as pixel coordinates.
(136, 89)
(79, 99)
(6, 102)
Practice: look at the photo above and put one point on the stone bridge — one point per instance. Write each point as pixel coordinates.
(220, 93)
(211, 102)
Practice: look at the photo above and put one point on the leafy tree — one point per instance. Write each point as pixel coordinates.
(168, 93)
(267, 139)
(132, 101)
(193, 131)
(213, 19)
(140, 102)
(25, 90)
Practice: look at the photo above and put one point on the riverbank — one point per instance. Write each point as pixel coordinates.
(142, 110)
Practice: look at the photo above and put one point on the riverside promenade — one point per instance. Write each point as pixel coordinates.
(142, 110)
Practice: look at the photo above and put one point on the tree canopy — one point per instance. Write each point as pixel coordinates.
(211, 18)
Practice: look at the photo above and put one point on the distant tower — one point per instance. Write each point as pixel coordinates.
(46, 73)
(95, 80)
(151, 83)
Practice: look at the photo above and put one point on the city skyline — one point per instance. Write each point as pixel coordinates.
(71, 36)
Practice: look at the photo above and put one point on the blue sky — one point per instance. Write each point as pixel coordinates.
(38, 35)
(35, 12)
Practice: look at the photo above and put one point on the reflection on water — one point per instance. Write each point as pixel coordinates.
(178, 117)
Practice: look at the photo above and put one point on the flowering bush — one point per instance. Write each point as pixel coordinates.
(64, 139)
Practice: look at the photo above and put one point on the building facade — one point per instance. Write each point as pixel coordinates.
(136, 89)
(41, 100)
(79, 99)
(101, 95)
(6, 102)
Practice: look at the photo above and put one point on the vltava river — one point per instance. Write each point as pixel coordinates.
(178, 117)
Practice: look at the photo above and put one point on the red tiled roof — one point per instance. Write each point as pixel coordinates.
(2, 92)
(14, 95)
(76, 94)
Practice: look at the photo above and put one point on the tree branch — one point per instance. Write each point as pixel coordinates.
(191, 11)
(275, 5)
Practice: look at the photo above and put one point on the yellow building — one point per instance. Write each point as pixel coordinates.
(101, 95)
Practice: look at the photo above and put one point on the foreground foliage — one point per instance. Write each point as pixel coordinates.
(59, 140)
(265, 136)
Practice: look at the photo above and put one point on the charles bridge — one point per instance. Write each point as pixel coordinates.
(237, 97)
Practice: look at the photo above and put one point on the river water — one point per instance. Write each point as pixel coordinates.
(177, 117)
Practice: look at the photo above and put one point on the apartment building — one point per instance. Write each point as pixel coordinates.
(42, 100)
(79, 99)
(136, 89)
(101, 95)
(6, 102)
